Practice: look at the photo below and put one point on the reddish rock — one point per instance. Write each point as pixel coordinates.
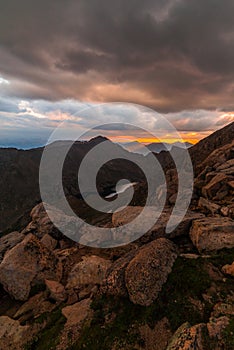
(28, 264)
(228, 269)
(49, 242)
(77, 313)
(210, 190)
(115, 277)
(9, 241)
(188, 338)
(211, 234)
(90, 271)
(57, 290)
(148, 271)
(208, 206)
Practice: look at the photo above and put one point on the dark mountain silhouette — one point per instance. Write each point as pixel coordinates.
(19, 177)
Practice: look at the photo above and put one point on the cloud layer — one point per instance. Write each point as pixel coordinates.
(171, 55)
(29, 123)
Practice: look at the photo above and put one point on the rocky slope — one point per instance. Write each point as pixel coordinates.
(161, 292)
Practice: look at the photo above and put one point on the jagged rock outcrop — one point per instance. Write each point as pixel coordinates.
(211, 234)
(41, 224)
(213, 185)
(28, 264)
(202, 150)
(148, 271)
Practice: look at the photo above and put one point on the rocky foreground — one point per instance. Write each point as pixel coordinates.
(169, 292)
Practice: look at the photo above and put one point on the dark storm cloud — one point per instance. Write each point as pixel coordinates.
(168, 54)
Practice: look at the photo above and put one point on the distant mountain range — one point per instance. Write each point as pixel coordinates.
(155, 147)
(19, 171)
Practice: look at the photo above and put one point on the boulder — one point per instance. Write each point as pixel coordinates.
(210, 190)
(41, 223)
(49, 242)
(223, 309)
(34, 307)
(184, 224)
(208, 206)
(228, 269)
(126, 215)
(212, 234)
(90, 271)
(9, 241)
(115, 276)
(77, 313)
(57, 290)
(148, 271)
(188, 338)
(28, 264)
(12, 334)
(158, 230)
(228, 211)
(216, 326)
(229, 164)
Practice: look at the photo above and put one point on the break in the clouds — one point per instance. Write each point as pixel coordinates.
(171, 55)
(30, 123)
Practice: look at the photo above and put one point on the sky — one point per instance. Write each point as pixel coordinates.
(56, 57)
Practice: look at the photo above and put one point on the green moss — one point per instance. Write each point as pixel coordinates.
(48, 338)
(119, 330)
(42, 318)
(188, 279)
